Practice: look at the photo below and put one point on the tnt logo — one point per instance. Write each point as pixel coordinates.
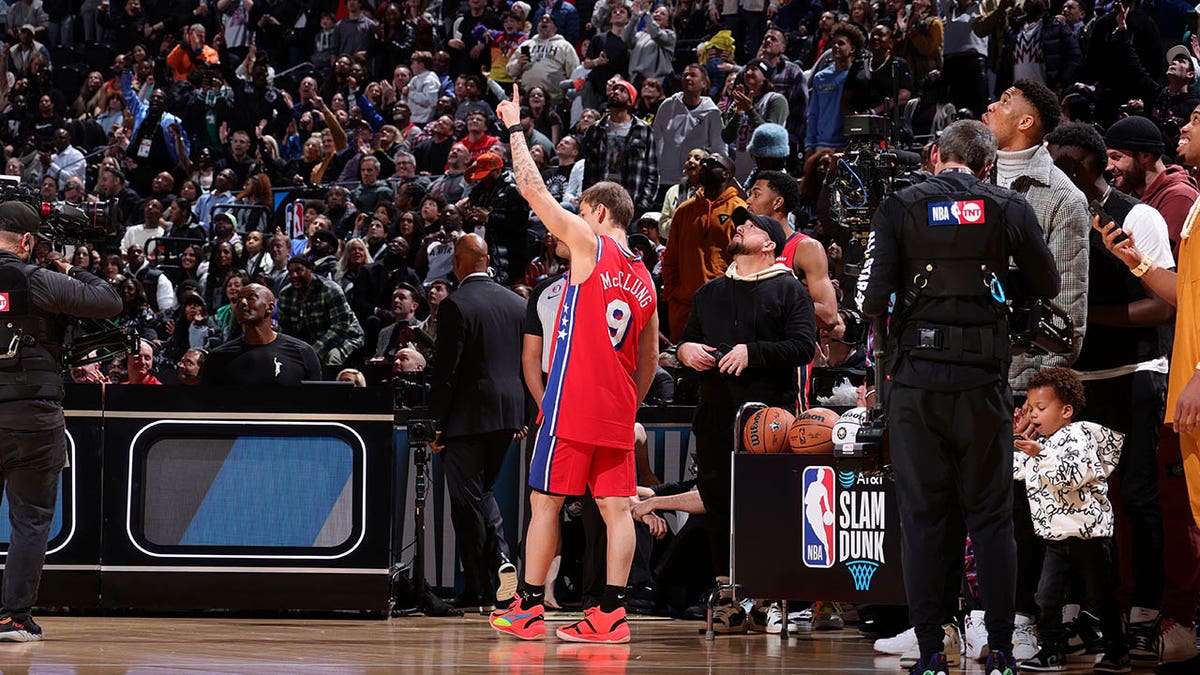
(962, 212)
(818, 536)
(3, 302)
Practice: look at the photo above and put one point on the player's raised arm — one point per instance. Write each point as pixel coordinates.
(572, 229)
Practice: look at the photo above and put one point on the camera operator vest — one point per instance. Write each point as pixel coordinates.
(1110, 283)
(28, 341)
(954, 253)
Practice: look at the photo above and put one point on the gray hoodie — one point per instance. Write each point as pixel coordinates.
(678, 131)
(552, 61)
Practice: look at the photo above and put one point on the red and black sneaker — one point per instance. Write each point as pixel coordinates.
(527, 623)
(12, 630)
(597, 626)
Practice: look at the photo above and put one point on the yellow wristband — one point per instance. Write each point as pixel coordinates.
(1143, 266)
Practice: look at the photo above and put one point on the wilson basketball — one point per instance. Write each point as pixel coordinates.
(767, 431)
(812, 432)
(846, 429)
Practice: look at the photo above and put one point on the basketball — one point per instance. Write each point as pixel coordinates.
(812, 432)
(767, 431)
(846, 429)
(827, 518)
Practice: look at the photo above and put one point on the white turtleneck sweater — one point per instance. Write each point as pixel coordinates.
(1012, 164)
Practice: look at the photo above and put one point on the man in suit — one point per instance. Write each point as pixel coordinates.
(479, 405)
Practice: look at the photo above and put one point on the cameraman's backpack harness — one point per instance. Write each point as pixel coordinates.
(971, 256)
(28, 366)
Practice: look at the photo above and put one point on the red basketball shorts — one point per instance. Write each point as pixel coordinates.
(564, 467)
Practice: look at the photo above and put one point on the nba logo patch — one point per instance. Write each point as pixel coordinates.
(818, 536)
(962, 212)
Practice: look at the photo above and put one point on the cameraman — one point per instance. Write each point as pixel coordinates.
(942, 247)
(33, 450)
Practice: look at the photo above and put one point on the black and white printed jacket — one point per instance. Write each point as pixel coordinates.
(1067, 483)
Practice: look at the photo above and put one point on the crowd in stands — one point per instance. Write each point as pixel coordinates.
(229, 136)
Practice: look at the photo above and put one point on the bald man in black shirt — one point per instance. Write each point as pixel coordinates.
(261, 355)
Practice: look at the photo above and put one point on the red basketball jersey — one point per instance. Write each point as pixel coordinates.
(591, 396)
(788, 256)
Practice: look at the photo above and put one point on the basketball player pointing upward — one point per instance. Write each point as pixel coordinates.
(602, 363)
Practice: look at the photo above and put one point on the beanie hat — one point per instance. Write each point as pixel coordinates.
(1136, 134)
(769, 140)
(629, 88)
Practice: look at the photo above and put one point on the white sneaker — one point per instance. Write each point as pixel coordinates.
(775, 621)
(955, 647)
(975, 644)
(951, 645)
(898, 644)
(1025, 639)
(1177, 642)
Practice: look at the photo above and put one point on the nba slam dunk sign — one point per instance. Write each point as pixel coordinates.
(844, 521)
(803, 529)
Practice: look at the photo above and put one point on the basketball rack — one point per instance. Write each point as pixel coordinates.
(714, 597)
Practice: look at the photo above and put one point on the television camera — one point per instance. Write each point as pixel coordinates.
(64, 223)
(85, 341)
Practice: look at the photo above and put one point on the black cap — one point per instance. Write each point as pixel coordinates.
(1136, 134)
(301, 260)
(761, 66)
(766, 223)
(19, 217)
(327, 235)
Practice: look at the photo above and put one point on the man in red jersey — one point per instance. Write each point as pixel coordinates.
(601, 365)
(775, 194)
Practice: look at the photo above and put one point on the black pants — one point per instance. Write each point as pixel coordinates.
(30, 465)
(471, 464)
(1134, 405)
(714, 449)
(965, 76)
(1091, 562)
(952, 454)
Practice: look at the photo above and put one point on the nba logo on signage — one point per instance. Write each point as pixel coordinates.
(817, 541)
(962, 212)
(3, 302)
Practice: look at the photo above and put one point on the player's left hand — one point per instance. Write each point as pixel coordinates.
(1187, 408)
(437, 445)
(510, 111)
(521, 434)
(735, 361)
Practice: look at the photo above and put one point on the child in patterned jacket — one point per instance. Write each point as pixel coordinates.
(1065, 465)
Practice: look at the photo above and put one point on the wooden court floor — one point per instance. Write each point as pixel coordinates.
(416, 645)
